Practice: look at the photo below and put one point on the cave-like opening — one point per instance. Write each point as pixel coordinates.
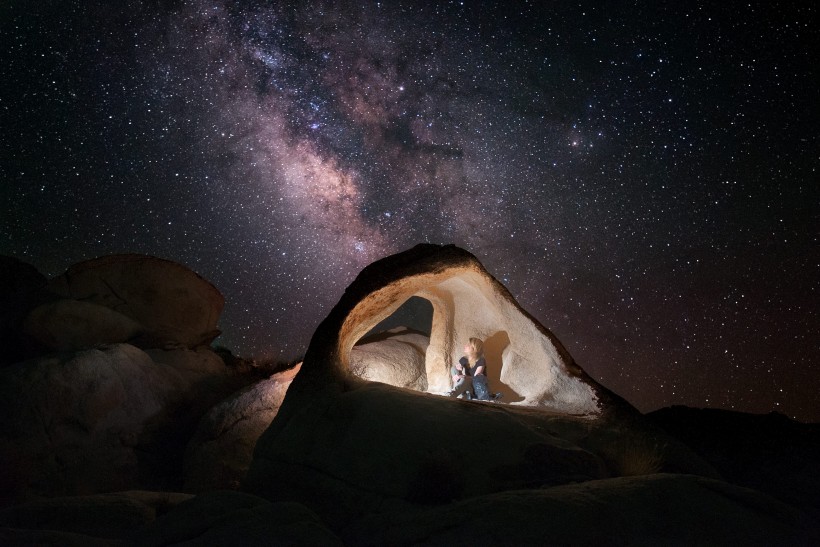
(395, 350)
(416, 314)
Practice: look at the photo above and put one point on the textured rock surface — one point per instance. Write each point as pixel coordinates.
(768, 452)
(110, 516)
(103, 419)
(234, 518)
(70, 325)
(395, 357)
(525, 360)
(652, 510)
(22, 288)
(347, 448)
(378, 446)
(221, 450)
(172, 303)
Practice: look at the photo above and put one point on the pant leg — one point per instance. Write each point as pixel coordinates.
(462, 386)
(481, 387)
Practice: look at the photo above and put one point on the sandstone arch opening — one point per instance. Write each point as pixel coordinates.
(523, 362)
(394, 351)
(416, 314)
(467, 301)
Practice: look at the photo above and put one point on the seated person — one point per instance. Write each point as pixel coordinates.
(471, 373)
(462, 381)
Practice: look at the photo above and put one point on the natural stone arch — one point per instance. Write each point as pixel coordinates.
(467, 301)
(351, 449)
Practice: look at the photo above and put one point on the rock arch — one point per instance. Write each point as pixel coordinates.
(467, 301)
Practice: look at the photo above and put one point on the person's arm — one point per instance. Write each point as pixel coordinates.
(480, 368)
(464, 366)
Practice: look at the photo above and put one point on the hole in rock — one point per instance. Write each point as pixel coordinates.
(415, 314)
(525, 362)
(395, 350)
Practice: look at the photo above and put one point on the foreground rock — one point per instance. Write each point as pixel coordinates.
(105, 419)
(234, 518)
(161, 518)
(22, 288)
(84, 520)
(172, 304)
(221, 450)
(651, 510)
(770, 453)
(348, 448)
(395, 357)
(71, 325)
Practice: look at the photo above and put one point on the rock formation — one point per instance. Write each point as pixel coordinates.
(395, 357)
(347, 448)
(171, 303)
(101, 419)
(220, 451)
(22, 288)
(346, 460)
(529, 361)
(103, 414)
(69, 325)
(768, 452)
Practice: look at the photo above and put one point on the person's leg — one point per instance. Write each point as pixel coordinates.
(481, 389)
(461, 386)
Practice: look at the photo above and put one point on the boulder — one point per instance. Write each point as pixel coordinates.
(525, 360)
(22, 288)
(113, 515)
(660, 509)
(173, 304)
(70, 325)
(395, 357)
(348, 448)
(768, 452)
(235, 518)
(13, 537)
(220, 451)
(111, 418)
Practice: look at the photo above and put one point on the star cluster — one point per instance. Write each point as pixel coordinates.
(642, 176)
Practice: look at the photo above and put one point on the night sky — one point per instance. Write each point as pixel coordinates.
(642, 176)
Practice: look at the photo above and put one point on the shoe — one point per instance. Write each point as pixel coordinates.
(467, 395)
(498, 396)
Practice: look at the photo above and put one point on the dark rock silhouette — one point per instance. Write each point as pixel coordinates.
(173, 304)
(350, 461)
(22, 288)
(104, 419)
(768, 452)
(99, 414)
(358, 452)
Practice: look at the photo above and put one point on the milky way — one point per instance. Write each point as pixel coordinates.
(644, 179)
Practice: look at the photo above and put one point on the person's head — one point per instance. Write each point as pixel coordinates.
(474, 348)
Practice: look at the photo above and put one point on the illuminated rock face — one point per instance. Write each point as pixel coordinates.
(219, 453)
(395, 357)
(526, 361)
(348, 448)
